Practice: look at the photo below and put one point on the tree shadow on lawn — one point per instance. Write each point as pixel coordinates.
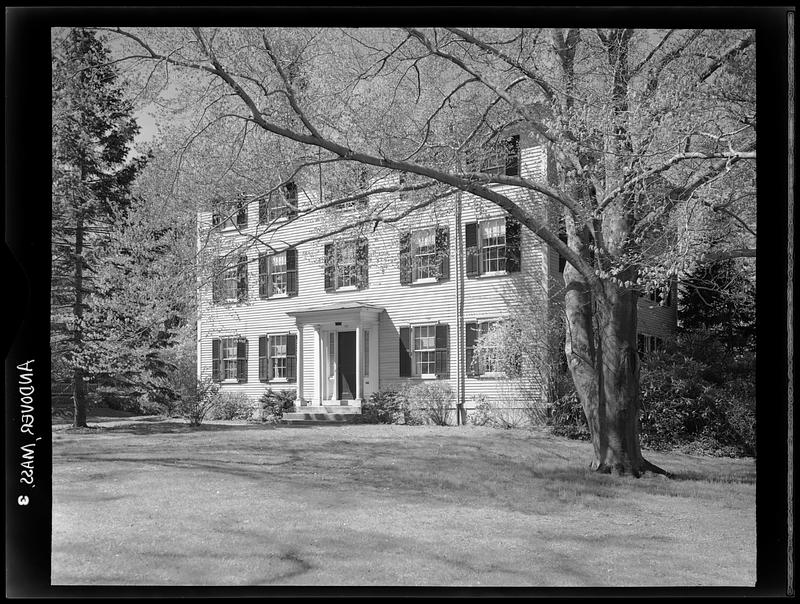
(166, 427)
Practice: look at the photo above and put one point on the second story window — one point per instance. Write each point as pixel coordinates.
(229, 215)
(277, 274)
(493, 246)
(425, 255)
(229, 280)
(279, 204)
(346, 265)
(500, 157)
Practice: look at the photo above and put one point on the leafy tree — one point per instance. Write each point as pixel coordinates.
(651, 135)
(93, 129)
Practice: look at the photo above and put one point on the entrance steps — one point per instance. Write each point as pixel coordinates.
(321, 415)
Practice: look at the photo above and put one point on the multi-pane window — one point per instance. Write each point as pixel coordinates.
(493, 246)
(481, 350)
(277, 274)
(277, 357)
(280, 204)
(423, 251)
(228, 215)
(366, 353)
(425, 255)
(229, 359)
(500, 157)
(229, 282)
(346, 265)
(648, 343)
(425, 350)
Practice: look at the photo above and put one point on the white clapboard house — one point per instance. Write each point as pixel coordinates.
(338, 317)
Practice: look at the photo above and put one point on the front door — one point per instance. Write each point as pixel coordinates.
(347, 365)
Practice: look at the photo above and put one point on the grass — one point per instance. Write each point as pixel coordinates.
(159, 503)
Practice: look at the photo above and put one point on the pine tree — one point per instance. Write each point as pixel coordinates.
(93, 128)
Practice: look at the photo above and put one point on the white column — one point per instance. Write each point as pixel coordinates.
(359, 356)
(319, 384)
(299, 361)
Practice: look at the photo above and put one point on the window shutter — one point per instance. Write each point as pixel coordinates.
(263, 204)
(262, 359)
(291, 357)
(405, 352)
(443, 351)
(216, 361)
(470, 337)
(513, 245)
(330, 268)
(443, 252)
(267, 355)
(241, 215)
(362, 262)
(290, 197)
(473, 252)
(263, 276)
(216, 281)
(241, 360)
(512, 156)
(291, 271)
(405, 258)
(241, 284)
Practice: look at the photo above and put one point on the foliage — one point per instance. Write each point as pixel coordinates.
(431, 402)
(232, 405)
(274, 403)
(206, 398)
(386, 407)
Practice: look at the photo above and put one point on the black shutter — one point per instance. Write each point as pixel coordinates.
(216, 361)
(216, 280)
(513, 245)
(262, 360)
(241, 360)
(362, 263)
(443, 351)
(470, 337)
(290, 197)
(241, 215)
(473, 252)
(263, 205)
(263, 276)
(241, 283)
(512, 156)
(291, 271)
(330, 268)
(405, 352)
(443, 252)
(291, 357)
(406, 260)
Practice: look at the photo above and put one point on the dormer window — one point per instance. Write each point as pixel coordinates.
(278, 204)
(229, 215)
(501, 157)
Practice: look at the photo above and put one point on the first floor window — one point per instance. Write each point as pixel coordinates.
(346, 265)
(229, 359)
(277, 357)
(366, 353)
(476, 340)
(425, 350)
(493, 246)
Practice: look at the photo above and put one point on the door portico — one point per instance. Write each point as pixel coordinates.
(345, 364)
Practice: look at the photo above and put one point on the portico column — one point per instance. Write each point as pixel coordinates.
(299, 361)
(359, 357)
(318, 369)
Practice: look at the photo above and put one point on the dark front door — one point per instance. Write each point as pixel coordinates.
(347, 365)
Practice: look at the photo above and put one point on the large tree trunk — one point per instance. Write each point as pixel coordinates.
(604, 364)
(78, 381)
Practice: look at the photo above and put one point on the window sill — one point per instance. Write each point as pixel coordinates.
(273, 296)
(231, 229)
(279, 219)
(228, 302)
(346, 288)
(492, 274)
(230, 381)
(425, 281)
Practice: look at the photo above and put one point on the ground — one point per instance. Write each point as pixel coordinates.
(152, 502)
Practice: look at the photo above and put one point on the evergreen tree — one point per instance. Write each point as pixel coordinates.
(93, 129)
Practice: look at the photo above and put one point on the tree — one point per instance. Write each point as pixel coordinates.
(651, 135)
(93, 128)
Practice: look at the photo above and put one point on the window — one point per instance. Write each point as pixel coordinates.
(646, 343)
(346, 265)
(493, 246)
(487, 361)
(229, 359)
(229, 215)
(501, 157)
(277, 358)
(366, 353)
(425, 255)
(277, 274)
(425, 351)
(229, 281)
(279, 204)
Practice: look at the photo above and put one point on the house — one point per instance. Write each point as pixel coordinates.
(335, 306)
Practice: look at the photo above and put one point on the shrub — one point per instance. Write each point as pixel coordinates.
(386, 407)
(431, 402)
(274, 403)
(195, 407)
(566, 418)
(232, 405)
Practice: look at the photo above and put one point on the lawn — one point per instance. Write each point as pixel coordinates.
(159, 503)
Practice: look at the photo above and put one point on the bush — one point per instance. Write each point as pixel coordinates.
(567, 418)
(232, 405)
(195, 407)
(386, 407)
(274, 403)
(431, 403)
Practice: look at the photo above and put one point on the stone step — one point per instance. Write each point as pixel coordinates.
(319, 417)
(337, 409)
